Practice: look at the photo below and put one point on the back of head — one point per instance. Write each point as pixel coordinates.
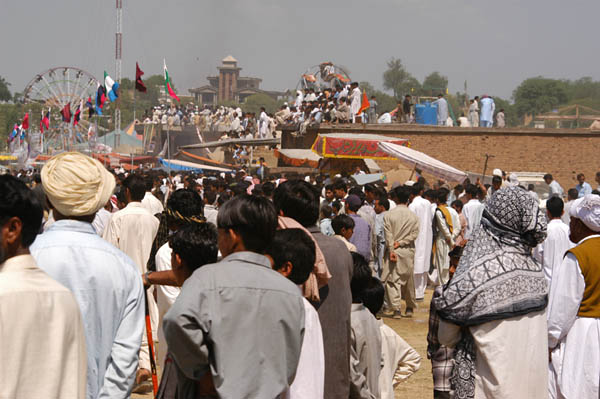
(296, 247)
(196, 244)
(253, 218)
(497, 180)
(298, 200)
(457, 204)
(442, 195)
(572, 194)
(403, 194)
(361, 276)
(210, 197)
(341, 221)
(555, 207)
(136, 186)
(353, 202)
(472, 190)
(77, 185)
(373, 295)
(186, 203)
(326, 211)
(17, 200)
(416, 189)
(268, 188)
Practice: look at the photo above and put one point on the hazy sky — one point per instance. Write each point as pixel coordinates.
(493, 45)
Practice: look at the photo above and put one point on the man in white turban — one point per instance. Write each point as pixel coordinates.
(574, 308)
(106, 283)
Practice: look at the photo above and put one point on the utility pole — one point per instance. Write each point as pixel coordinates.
(118, 53)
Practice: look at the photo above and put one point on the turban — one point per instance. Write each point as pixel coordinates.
(587, 209)
(77, 185)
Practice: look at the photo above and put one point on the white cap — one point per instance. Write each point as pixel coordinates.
(587, 209)
(497, 172)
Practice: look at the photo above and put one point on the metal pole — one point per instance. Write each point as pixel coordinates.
(118, 57)
(168, 151)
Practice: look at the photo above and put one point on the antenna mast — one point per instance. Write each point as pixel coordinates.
(118, 48)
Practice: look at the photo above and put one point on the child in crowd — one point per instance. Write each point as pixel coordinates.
(325, 223)
(442, 357)
(365, 349)
(336, 206)
(292, 254)
(400, 360)
(193, 246)
(343, 227)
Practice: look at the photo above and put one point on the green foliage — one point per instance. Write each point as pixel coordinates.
(255, 101)
(4, 91)
(434, 84)
(398, 79)
(538, 95)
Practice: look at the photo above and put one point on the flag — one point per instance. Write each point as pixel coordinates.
(168, 87)
(66, 113)
(364, 104)
(111, 87)
(46, 119)
(100, 99)
(90, 106)
(14, 133)
(26, 121)
(42, 122)
(77, 114)
(139, 84)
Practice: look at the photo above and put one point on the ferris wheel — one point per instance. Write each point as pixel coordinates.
(324, 75)
(57, 87)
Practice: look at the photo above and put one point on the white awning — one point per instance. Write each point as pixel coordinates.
(423, 162)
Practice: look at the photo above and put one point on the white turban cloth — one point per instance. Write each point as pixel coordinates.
(77, 185)
(587, 209)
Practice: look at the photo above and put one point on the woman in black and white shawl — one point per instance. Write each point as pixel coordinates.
(493, 310)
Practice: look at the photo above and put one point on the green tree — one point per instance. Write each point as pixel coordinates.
(511, 117)
(434, 84)
(397, 79)
(4, 91)
(538, 95)
(255, 101)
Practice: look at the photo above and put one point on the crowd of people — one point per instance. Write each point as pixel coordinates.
(264, 286)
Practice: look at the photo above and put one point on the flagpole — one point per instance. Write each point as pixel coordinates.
(134, 106)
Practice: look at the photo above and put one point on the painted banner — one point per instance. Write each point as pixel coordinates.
(354, 146)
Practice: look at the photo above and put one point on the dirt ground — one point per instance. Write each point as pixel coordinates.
(414, 331)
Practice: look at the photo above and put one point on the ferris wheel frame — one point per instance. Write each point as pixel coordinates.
(316, 71)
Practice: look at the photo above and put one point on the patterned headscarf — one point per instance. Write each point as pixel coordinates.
(497, 277)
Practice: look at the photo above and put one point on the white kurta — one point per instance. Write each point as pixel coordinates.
(309, 382)
(152, 204)
(472, 212)
(422, 208)
(400, 361)
(552, 251)
(355, 104)
(42, 341)
(511, 360)
(575, 367)
(101, 221)
(263, 125)
(165, 297)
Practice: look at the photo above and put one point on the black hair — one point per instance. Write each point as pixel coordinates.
(459, 188)
(442, 195)
(149, 180)
(548, 176)
(268, 188)
(373, 295)
(496, 180)
(254, 218)
(210, 197)
(430, 194)
(136, 186)
(326, 211)
(572, 193)
(17, 200)
(187, 202)
(403, 194)
(342, 221)
(339, 184)
(416, 189)
(296, 247)
(196, 244)
(555, 207)
(358, 192)
(37, 179)
(223, 198)
(336, 205)
(457, 203)
(385, 203)
(298, 200)
(361, 276)
(472, 190)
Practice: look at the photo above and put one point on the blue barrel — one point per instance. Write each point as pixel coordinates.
(426, 114)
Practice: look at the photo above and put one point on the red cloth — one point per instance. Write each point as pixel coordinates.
(26, 121)
(139, 84)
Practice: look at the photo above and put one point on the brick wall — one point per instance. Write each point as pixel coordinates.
(561, 152)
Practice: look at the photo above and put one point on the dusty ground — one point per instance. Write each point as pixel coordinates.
(414, 331)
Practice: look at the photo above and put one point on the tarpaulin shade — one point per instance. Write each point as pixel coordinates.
(354, 146)
(423, 161)
(298, 157)
(175, 164)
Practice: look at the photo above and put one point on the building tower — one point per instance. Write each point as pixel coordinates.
(229, 73)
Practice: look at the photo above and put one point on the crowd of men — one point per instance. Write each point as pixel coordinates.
(267, 287)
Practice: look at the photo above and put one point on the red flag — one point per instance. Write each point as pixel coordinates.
(364, 104)
(77, 116)
(139, 84)
(26, 121)
(66, 113)
(46, 119)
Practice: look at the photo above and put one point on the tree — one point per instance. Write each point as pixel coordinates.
(255, 101)
(4, 91)
(538, 95)
(398, 79)
(434, 84)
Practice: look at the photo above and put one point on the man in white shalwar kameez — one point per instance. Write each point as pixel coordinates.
(574, 308)
(487, 111)
(422, 208)
(355, 100)
(552, 251)
(263, 122)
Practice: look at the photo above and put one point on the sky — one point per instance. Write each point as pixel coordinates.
(493, 45)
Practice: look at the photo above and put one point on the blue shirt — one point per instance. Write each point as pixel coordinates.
(361, 238)
(110, 294)
(326, 228)
(583, 189)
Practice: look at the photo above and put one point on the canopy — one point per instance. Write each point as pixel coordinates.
(361, 180)
(175, 164)
(423, 161)
(298, 157)
(353, 146)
